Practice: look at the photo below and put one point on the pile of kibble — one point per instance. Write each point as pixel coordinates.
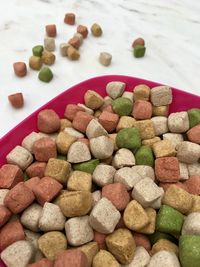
(115, 182)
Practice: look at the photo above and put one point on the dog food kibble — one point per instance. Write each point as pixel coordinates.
(138, 41)
(116, 179)
(82, 30)
(96, 30)
(48, 58)
(105, 58)
(37, 50)
(72, 53)
(63, 49)
(35, 63)
(45, 75)
(69, 18)
(20, 69)
(51, 30)
(139, 51)
(75, 42)
(16, 100)
(49, 44)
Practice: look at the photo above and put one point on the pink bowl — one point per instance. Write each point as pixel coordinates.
(181, 101)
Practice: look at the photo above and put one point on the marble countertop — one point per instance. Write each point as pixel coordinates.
(171, 30)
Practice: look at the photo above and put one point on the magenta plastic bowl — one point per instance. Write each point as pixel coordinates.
(181, 101)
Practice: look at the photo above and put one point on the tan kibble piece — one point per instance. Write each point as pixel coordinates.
(195, 204)
(35, 63)
(64, 141)
(113, 136)
(141, 92)
(78, 152)
(49, 44)
(105, 259)
(122, 245)
(150, 227)
(48, 58)
(93, 100)
(64, 123)
(96, 30)
(164, 244)
(135, 217)
(52, 243)
(178, 198)
(60, 196)
(150, 142)
(145, 128)
(164, 148)
(58, 169)
(90, 249)
(63, 49)
(77, 203)
(73, 53)
(79, 181)
(160, 111)
(125, 122)
(105, 58)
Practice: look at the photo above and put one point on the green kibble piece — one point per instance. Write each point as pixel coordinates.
(169, 220)
(189, 250)
(144, 156)
(62, 157)
(194, 117)
(158, 235)
(45, 75)
(26, 177)
(37, 50)
(139, 51)
(87, 166)
(122, 106)
(128, 138)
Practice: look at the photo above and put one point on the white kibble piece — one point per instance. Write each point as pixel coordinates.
(115, 89)
(104, 216)
(146, 192)
(128, 95)
(30, 217)
(123, 158)
(79, 231)
(127, 176)
(3, 193)
(79, 36)
(160, 125)
(165, 259)
(184, 175)
(49, 44)
(102, 147)
(161, 95)
(96, 196)
(191, 225)
(158, 202)
(63, 49)
(144, 171)
(33, 237)
(19, 254)
(194, 169)
(188, 152)
(103, 174)
(78, 152)
(174, 138)
(71, 131)
(20, 156)
(105, 58)
(178, 122)
(141, 258)
(29, 141)
(95, 129)
(87, 110)
(51, 218)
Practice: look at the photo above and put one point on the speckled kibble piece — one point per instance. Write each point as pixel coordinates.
(86, 109)
(178, 122)
(41, 263)
(48, 58)
(142, 110)
(71, 131)
(10, 175)
(150, 227)
(71, 258)
(95, 129)
(64, 141)
(167, 169)
(105, 258)
(101, 147)
(151, 141)
(145, 128)
(115, 89)
(195, 204)
(161, 95)
(188, 152)
(194, 116)
(164, 148)
(161, 110)
(93, 100)
(127, 176)
(105, 58)
(36, 169)
(20, 156)
(125, 122)
(103, 174)
(79, 231)
(141, 258)
(79, 181)
(33, 237)
(5, 215)
(193, 169)
(63, 49)
(104, 216)
(79, 36)
(144, 171)
(164, 258)
(30, 217)
(160, 125)
(109, 121)
(90, 250)
(123, 158)
(128, 95)
(128, 138)
(72, 53)
(37, 50)
(49, 44)
(144, 156)
(78, 152)
(64, 123)
(122, 106)
(141, 92)
(164, 244)
(191, 225)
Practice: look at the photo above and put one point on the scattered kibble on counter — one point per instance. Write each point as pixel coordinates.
(16, 100)
(96, 30)
(20, 69)
(45, 75)
(70, 18)
(51, 30)
(83, 30)
(105, 58)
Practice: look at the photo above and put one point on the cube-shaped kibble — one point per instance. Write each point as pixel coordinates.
(48, 121)
(10, 233)
(75, 42)
(44, 149)
(105, 58)
(189, 250)
(30, 217)
(125, 122)
(164, 258)
(191, 224)
(71, 258)
(64, 141)
(47, 189)
(58, 169)
(81, 121)
(19, 198)
(51, 218)
(78, 152)
(79, 231)
(115, 89)
(5, 215)
(109, 121)
(169, 220)
(103, 174)
(10, 175)
(142, 110)
(160, 125)
(29, 141)
(48, 58)
(141, 92)
(95, 129)
(188, 152)
(145, 128)
(127, 176)
(142, 240)
(146, 192)
(104, 216)
(178, 198)
(64, 123)
(79, 181)
(72, 53)
(20, 156)
(161, 95)
(102, 147)
(51, 30)
(167, 169)
(123, 158)
(36, 169)
(164, 148)
(178, 122)
(144, 171)
(35, 63)
(128, 138)
(37, 50)
(122, 245)
(144, 156)
(139, 51)
(49, 44)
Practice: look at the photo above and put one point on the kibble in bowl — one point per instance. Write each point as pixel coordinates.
(99, 197)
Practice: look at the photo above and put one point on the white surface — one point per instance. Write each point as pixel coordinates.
(171, 30)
